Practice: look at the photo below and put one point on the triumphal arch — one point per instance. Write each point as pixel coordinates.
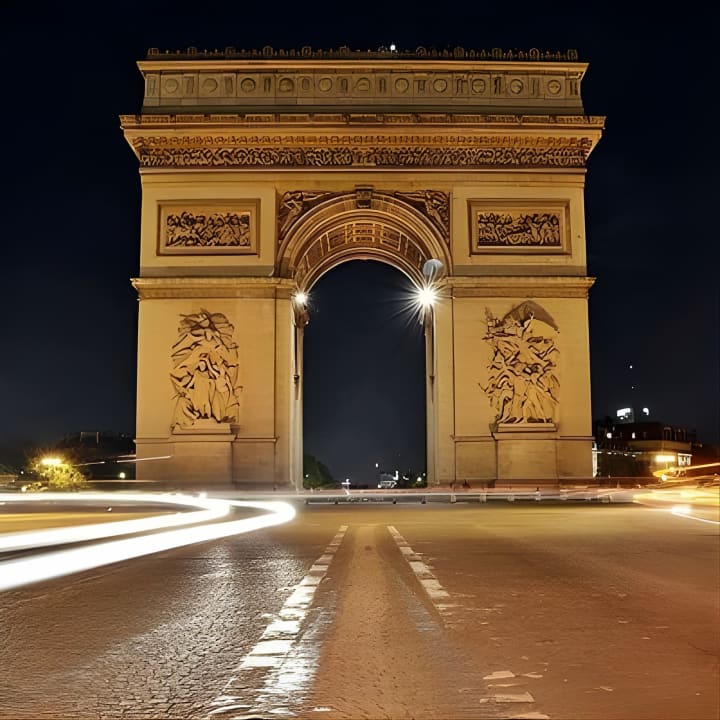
(261, 170)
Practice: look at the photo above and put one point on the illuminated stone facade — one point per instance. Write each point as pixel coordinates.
(262, 170)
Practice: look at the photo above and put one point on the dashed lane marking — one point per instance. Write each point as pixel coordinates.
(439, 597)
(287, 670)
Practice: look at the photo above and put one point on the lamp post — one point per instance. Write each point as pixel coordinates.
(427, 295)
(300, 318)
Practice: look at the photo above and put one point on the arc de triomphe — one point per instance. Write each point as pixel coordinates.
(262, 170)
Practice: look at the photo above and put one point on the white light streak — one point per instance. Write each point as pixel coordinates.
(214, 510)
(46, 566)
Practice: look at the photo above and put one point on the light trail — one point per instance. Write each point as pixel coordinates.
(674, 473)
(214, 510)
(682, 502)
(46, 566)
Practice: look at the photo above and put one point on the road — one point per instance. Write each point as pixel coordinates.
(373, 610)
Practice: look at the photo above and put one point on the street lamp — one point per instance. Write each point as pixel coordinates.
(300, 318)
(427, 296)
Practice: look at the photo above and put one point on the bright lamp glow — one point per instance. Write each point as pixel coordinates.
(51, 461)
(301, 297)
(426, 296)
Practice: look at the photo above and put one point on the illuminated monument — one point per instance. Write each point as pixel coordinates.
(262, 170)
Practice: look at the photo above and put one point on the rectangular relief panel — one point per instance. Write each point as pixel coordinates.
(519, 227)
(208, 228)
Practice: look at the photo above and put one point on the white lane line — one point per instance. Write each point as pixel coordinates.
(435, 591)
(440, 599)
(288, 671)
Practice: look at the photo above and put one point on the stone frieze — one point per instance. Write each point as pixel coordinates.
(219, 229)
(571, 156)
(518, 228)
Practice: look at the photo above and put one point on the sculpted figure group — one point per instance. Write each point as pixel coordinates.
(522, 381)
(205, 371)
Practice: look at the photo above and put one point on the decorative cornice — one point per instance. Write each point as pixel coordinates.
(537, 145)
(353, 119)
(382, 53)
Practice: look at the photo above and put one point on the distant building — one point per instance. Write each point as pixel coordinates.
(637, 449)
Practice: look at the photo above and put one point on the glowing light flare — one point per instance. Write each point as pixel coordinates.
(47, 566)
(51, 461)
(300, 298)
(426, 296)
(665, 458)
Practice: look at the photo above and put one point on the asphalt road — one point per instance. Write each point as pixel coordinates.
(370, 610)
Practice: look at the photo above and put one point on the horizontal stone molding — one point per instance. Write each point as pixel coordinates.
(252, 440)
(149, 288)
(517, 286)
(524, 427)
(321, 120)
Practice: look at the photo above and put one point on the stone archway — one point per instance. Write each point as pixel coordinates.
(319, 230)
(262, 170)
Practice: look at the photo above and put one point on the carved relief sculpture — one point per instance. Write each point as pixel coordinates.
(197, 228)
(186, 229)
(433, 204)
(522, 382)
(205, 370)
(501, 226)
(518, 229)
(293, 205)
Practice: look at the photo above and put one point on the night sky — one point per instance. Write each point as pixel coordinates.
(71, 194)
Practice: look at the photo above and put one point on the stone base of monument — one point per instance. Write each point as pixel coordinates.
(526, 451)
(202, 454)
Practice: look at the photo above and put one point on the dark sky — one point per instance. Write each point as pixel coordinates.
(70, 230)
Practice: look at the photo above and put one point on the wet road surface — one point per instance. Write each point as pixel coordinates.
(385, 611)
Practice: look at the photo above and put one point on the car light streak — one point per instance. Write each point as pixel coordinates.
(680, 509)
(214, 510)
(46, 566)
(682, 502)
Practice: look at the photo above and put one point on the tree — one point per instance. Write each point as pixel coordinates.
(316, 474)
(54, 474)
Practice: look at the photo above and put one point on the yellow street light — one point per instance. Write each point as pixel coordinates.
(51, 461)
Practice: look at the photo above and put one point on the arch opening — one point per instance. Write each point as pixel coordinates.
(365, 377)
